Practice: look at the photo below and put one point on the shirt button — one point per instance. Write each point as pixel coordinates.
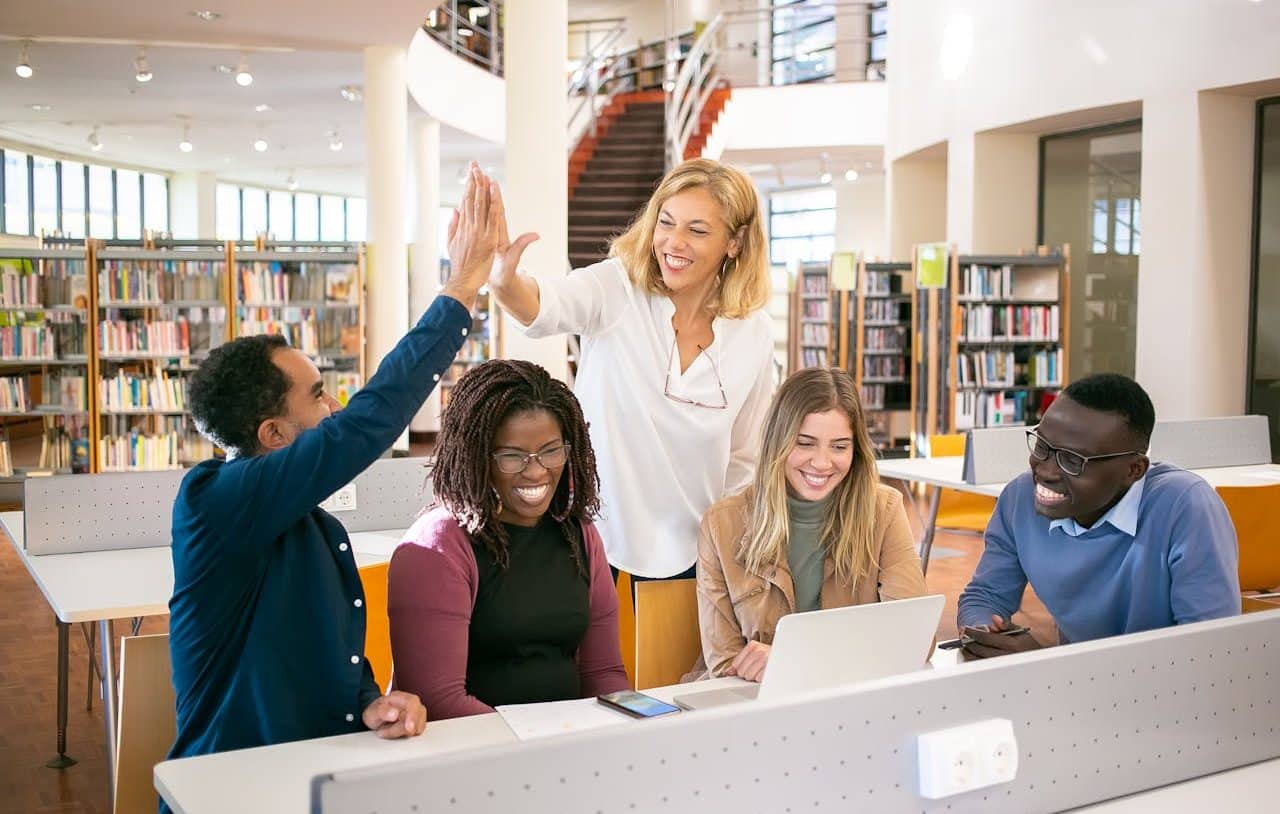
(359, 603)
(350, 717)
(355, 659)
(342, 546)
(435, 378)
(464, 331)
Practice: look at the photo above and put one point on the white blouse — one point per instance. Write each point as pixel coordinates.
(661, 463)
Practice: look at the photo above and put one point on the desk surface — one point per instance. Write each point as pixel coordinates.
(1244, 788)
(948, 472)
(94, 585)
(277, 779)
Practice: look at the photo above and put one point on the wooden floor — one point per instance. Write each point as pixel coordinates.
(28, 690)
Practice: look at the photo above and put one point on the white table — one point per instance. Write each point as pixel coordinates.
(277, 779)
(128, 583)
(1241, 789)
(948, 473)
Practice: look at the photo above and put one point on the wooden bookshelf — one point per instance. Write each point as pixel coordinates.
(883, 351)
(644, 66)
(812, 318)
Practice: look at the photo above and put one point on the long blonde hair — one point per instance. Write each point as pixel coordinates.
(848, 530)
(745, 286)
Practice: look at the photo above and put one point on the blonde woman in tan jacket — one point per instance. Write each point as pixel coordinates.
(814, 530)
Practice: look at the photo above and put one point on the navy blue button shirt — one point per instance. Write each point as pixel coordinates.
(265, 631)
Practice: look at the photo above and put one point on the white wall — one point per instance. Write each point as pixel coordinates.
(454, 91)
(797, 116)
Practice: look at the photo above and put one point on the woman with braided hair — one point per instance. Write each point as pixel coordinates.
(501, 594)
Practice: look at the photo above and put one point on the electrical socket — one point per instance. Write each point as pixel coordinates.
(343, 500)
(964, 758)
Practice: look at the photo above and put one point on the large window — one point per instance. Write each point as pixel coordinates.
(280, 214)
(253, 220)
(333, 218)
(47, 195)
(1264, 338)
(226, 212)
(1090, 198)
(803, 41)
(245, 212)
(306, 216)
(802, 225)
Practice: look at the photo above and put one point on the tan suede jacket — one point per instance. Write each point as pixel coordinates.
(736, 606)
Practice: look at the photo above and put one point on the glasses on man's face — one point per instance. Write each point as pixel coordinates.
(1071, 463)
(513, 463)
(666, 386)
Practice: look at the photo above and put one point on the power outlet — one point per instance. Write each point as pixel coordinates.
(343, 500)
(967, 757)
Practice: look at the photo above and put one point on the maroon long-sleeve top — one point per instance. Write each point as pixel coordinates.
(432, 584)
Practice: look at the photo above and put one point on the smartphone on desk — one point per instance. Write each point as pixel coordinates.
(637, 704)
(952, 644)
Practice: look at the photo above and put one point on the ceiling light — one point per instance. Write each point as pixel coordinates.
(352, 93)
(207, 16)
(260, 144)
(185, 145)
(825, 178)
(851, 175)
(291, 183)
(263, 108)
(95, 143)
(243, 78)
(141, 69)
(40, 108)
(335, 141)
(23, 70)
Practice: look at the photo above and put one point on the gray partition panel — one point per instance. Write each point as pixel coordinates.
(1203, 443)
(1093, 721)
(66, 514)
(389, 495)
(995, 454)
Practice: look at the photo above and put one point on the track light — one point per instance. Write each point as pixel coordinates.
(335, 141)
(185, 145)
(825, 178)
(291, 183)
(23, 70)
(260, 144)
(95, 143)
(851, 175)
(243, 78)
(141, 69)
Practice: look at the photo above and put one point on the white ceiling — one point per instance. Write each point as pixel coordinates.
(780, 169)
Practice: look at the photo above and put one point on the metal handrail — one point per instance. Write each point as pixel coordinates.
(692, 87)
(587, 79)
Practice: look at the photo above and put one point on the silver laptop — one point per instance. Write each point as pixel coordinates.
(832, 648)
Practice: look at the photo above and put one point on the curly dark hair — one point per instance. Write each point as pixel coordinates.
(236, 389)
(483, 398)
(1114, 393)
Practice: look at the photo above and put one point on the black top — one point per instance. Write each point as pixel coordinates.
(528, 619)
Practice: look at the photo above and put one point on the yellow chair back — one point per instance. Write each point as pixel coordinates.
(668, 643)
(148, 721)
(377, 631)
(959, 510)
(1252, 510)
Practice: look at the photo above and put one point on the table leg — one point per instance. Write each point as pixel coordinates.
(62, 761)
(106, 648)
(90, 639)
(926, 543)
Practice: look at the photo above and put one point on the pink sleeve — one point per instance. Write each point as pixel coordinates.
(431, 589)
(599, 656)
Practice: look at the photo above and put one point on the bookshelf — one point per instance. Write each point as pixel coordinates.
(995, 341)
(44, 364)
(158, 313)
(315, 299)
(883, 351)
(644, 67)
(811, 336)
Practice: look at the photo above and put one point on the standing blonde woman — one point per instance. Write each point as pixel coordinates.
(677, 366)
(814, 530)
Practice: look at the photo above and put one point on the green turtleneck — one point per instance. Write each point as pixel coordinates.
(804, 550)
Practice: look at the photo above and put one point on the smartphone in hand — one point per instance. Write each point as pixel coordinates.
(952, 644)
(636, 704)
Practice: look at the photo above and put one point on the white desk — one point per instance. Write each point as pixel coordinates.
(1244, 788)
(277, 779)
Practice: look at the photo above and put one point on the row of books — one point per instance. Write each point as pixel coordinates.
(814, 284)
(884, 367)
(813, 357)
(884, 310)
(817, 309)
(302, 335)
(28, 342)
(986, 369)
(125, 281)
(815, 335)
(1044, 368)
(976, 409)
(885, 339)
(986, 282)
(274, 283)
(139, 451)
(872, 396)
(341, 385)
(164, 337)
(879, 284)
(14, 397)
(58, 392)
(986, 323)
(6, 457)
(161, 280)
(129, 391)
(17, 288)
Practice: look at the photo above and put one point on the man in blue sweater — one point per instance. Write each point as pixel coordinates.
(267, 619)
(1111, 542)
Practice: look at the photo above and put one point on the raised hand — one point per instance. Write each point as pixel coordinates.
(509, 253)
(473, 238)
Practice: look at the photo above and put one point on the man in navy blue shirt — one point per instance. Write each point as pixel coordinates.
(267, 619)
(1111, 542)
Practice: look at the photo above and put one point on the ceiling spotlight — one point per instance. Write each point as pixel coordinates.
(95, 143)
(23, 70)
(185, 145)
(141, 69)
(260, 144)
(263, 108)
(243, 78)
(291, 183)
(851, 175)
(206, 15)
(39, 108)
(352, 93)
(825, 178)
(335, 141)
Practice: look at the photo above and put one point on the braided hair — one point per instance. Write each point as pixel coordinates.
(482, 399)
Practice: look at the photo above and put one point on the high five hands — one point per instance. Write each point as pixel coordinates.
(474, 231)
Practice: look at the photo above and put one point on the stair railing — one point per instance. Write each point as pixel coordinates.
(688, 93)
(597, 68)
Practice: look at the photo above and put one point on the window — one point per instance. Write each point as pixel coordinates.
(155, 200)
(803, 41)
(802, 225)
(253, 215)
(878, 31)
(44, 194)
(128, 205)
(333, 218)
(226, 225)
(73, 213)
(357, 220)
(17, 220)
(1264, 346)
(102, 202)
(280, 214)
(306, 216)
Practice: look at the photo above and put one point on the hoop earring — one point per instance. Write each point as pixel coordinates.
(497, 498)
(568, 506)
(724, 268)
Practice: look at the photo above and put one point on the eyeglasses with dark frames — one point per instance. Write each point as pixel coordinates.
(1070, 462)
(513, 463)
(666, 386)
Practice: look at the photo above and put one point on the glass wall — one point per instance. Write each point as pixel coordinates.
(1090, 198)
(1264, 335)
(802, 225)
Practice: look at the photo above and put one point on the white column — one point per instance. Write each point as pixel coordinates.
(424, 272)
(536, 162)
(193, 198)
(386, 168)
(917, 202)
(1193, 273)
(860, 220)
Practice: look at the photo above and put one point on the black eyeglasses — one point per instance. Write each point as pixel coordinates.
(513, 463)
(1071, 463)
(666, 386)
